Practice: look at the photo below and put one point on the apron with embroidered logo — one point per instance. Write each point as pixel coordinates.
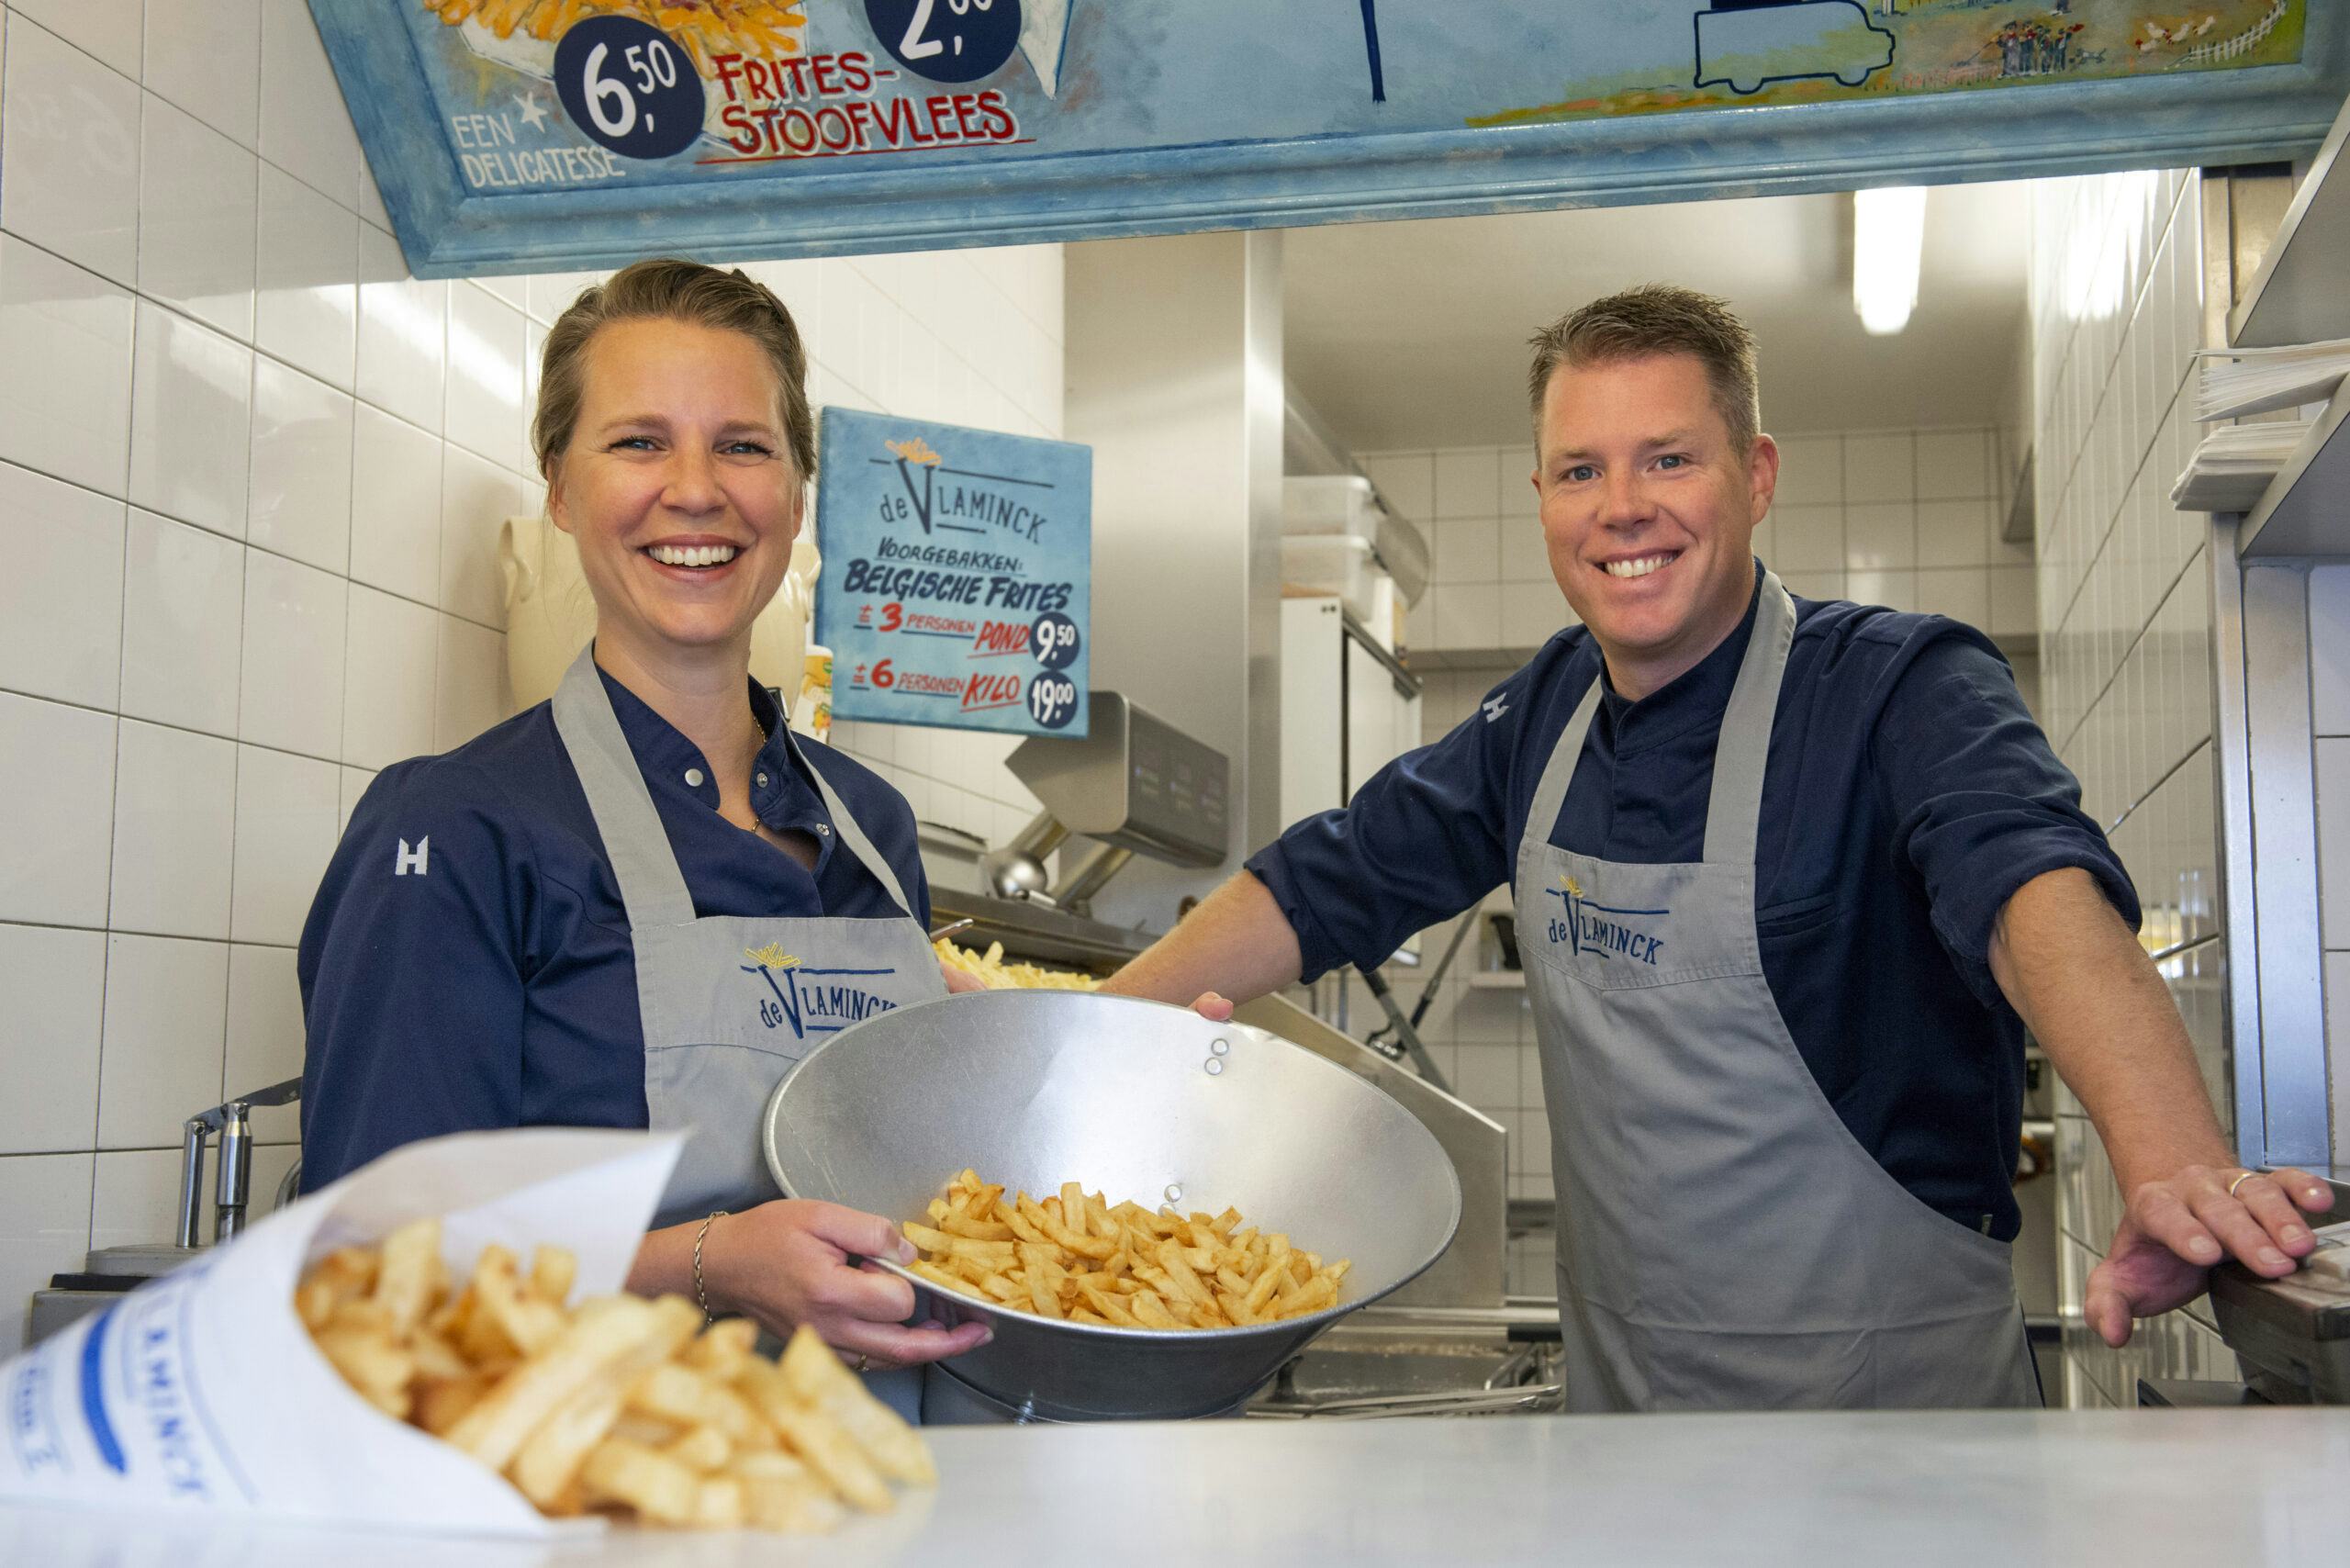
(729, 1003)
(1724, 1241)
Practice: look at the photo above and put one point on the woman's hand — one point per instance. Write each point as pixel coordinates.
(788, 1262)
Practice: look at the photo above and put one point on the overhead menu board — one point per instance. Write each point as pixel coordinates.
(957, 581)
(514, 134)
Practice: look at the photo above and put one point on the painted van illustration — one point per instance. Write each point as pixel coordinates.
(1747, 43)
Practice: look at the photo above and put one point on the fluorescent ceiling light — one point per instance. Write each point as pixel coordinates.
(1888, 243)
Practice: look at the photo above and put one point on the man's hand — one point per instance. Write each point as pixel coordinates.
(2176, 1230)
(959, 983)
(1214, 1008)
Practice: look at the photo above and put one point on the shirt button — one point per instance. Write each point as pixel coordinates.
(693, 777)
(763, 779)
(823, 832)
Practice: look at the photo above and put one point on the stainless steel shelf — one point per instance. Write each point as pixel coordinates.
(2298, 295)
(2306, 508)
(1031, 932)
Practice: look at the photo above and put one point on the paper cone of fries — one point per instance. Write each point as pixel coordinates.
(204, 1391)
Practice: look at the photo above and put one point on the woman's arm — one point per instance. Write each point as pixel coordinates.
(794, 1261)
(412, 976)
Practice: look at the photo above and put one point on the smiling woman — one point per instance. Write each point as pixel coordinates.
(588, 915)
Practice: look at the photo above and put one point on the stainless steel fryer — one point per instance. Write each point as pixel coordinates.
(1136, 1100)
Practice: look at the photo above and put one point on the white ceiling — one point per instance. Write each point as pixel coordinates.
(1413, 334)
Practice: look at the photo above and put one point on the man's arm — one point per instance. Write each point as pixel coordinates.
(2069, 966)
(1238, 943)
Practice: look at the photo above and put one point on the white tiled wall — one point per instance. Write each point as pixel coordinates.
(2117, 310)
(251, 477)
(1906, 519)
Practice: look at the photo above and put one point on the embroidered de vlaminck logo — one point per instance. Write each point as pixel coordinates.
(1604, 931)
(811, 1001)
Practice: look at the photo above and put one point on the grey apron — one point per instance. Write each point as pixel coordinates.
(730, 1005)
(1723, 1242)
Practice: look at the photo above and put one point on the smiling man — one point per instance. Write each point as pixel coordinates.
(1792, 879)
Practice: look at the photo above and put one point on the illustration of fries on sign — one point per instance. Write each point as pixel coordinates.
(651, 79)
(523, 33)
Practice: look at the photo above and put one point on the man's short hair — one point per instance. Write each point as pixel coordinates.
(1654, 319)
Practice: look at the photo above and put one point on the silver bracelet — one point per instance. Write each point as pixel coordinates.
(699, 1237)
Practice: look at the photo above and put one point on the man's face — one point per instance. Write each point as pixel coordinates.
(1648, 512)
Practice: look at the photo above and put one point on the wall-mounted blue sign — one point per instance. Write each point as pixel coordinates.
(516, 134)
(959, 572)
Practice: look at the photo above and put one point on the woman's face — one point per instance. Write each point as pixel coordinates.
(678, 485)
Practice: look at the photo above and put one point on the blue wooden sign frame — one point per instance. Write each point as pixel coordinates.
(1014, 121)
(959, 575)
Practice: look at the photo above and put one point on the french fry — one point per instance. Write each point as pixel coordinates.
(530, 1324)
(552, 1270)
(782, 1494)
(719, 1503)
(704, 1449)
(600, 1337)
(441, 1405)
(817, 1440)
(681, 1395)
(371, 1363)
(660, 1489)
(938, 1242)
(410, 1273)
(815, 1377)
(552, 1456)
(650, 1430)
(940, 1277)
(975, 1229)
(723, 1346)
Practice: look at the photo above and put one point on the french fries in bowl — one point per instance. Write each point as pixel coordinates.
(1177, 1127)
(1075, 1257)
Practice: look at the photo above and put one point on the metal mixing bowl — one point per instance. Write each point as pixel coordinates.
(1136, 1100)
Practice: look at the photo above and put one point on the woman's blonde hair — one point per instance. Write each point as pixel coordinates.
(668, 288)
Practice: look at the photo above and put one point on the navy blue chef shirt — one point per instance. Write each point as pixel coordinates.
(494, 984)
(1907, 796)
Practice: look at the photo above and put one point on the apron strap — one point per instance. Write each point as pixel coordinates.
(1734, 808)
(852, 837)
(1551, 792)
(651, 887)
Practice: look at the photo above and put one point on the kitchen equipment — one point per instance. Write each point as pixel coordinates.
(1136, 1100)
(233, 1123)
(2293, 1335)
(111, 1270)
(1135, 785)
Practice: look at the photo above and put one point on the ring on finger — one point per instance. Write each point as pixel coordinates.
(2240, 1181)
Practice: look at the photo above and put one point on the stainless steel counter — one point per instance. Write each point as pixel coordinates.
(2147, 1488)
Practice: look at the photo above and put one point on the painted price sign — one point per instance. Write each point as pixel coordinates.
(509, 135)
(957, 588)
